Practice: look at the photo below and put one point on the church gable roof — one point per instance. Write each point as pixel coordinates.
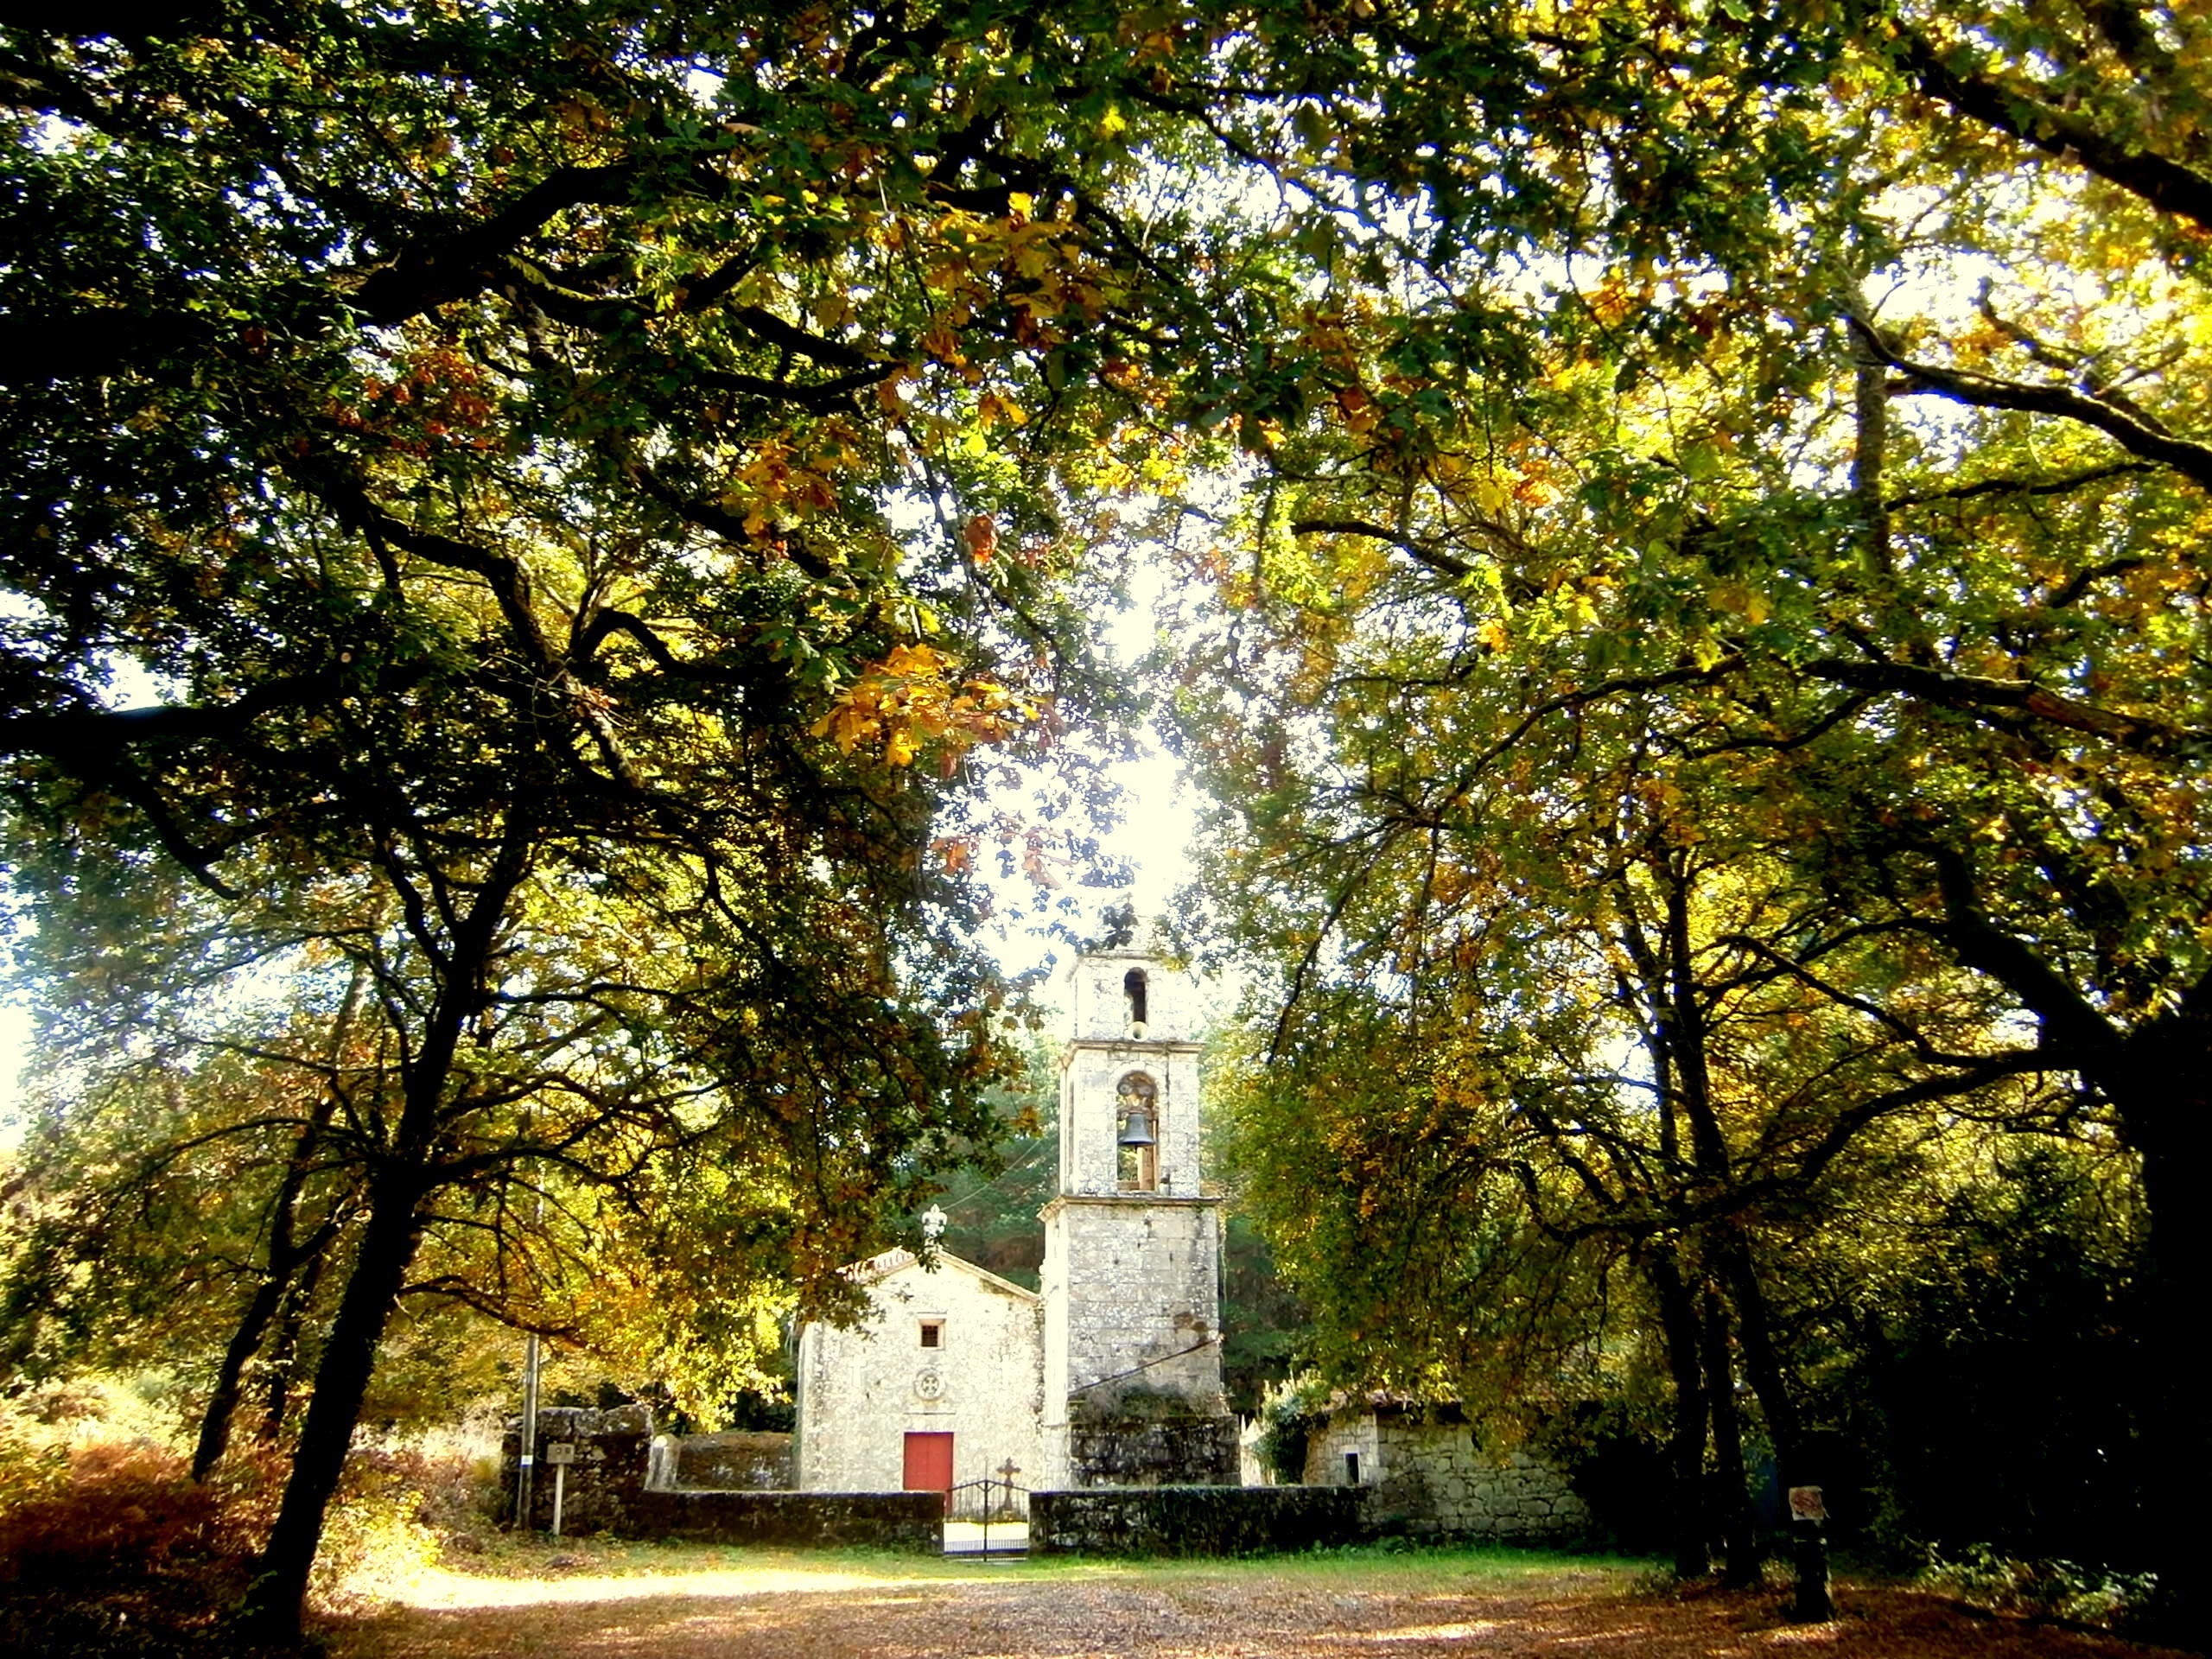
(890, 1263)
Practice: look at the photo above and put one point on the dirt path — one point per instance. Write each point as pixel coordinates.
(805, 1611)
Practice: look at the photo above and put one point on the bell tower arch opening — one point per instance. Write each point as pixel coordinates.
(1136, 1143)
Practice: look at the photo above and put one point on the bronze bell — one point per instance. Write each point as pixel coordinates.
(1136, 1130)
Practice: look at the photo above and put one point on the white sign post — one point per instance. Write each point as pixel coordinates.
(559, 1454)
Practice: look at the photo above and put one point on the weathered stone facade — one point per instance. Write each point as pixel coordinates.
(1138, 1439)
(945, 1350)
(736, 1460)
(1429, 1479)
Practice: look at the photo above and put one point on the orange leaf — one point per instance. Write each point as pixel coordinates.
(982, 538)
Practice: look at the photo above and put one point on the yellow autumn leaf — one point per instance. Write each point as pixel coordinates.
(1740, 599)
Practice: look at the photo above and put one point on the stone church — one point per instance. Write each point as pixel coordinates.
(1109, 1377)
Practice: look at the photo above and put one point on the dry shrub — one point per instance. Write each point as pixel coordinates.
(111, 1548)
(462, 1500)
(125, 1508)
(108, 1547)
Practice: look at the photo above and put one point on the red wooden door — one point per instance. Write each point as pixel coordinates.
(929, 1465)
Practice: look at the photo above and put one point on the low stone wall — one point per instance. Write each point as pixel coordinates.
(1435, 1482)
(738, 1461)
(604, 1481)
(1194, 1520)
(908, 1522)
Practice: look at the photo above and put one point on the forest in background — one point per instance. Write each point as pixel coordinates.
(535, 532)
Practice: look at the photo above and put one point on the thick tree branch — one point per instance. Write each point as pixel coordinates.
(830, 353)
(722, 522)
(1977, 694)
(818, 398)
(428, 272)
(1435, 558)
(2131, 432)
(66, 733)
(2164, 184)
(1983, 947)
(436, 271)
(2024, 486)
(509, 581)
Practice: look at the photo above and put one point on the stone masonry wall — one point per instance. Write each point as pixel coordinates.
(911, 1522)
(1152, 1440)
(1429, 1480)
(1194, 1520)
(736, 1461)
(605, 1481)
(605, 1491)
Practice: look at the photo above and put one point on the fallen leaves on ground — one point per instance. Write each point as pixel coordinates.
(796, 1608)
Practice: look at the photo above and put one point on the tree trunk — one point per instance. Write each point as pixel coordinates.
(2158, 1078)
(1739, 1545)
(1686, 1444)
(230, 1375)
(287, 1253)
(1680, 1008)
(398, 1196)
(284, 1359)
(277, 1603)
(1778, 1404)
(2164, 1105)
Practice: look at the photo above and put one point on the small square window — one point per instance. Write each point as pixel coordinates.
(932, 1333)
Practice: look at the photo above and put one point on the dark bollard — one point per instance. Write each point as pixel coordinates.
(1808, 1553)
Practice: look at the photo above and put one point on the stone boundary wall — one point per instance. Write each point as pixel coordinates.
(1194, 1520)
(1116, 1449)
(609, 1489)
(1434, 1484)
(737, 1460)
(603, 1484)
(911, 1522)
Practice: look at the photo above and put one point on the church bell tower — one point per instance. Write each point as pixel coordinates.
(1132, 1275)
